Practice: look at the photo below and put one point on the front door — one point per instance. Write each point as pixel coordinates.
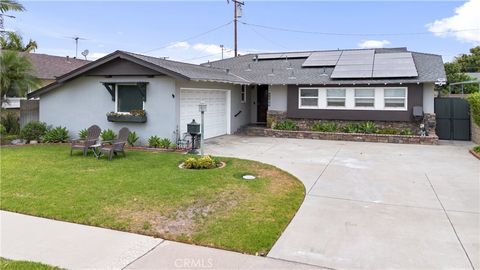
(262, 103)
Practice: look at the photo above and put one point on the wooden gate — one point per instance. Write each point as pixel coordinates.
(28, 111)
(453, 118)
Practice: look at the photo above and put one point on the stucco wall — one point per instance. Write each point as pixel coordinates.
(278, 98)
(84, 101)
(428, 97)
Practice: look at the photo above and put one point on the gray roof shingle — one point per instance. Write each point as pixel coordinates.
(48, 67)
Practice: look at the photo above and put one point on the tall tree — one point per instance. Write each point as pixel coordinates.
(15, 75)
(10, 5)
(14, 42)
(456, 70)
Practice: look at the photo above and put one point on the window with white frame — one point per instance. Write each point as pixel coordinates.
(129, 97)
(336, 97)
(243, 94)
(395, 98)
(308, 98)
(364, 97)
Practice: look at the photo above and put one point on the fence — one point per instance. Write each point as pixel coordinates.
(28, 111)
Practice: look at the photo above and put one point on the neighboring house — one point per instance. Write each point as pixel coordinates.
(46, 69)
(366, 84)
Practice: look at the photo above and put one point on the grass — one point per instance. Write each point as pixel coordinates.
(147, 193)
(24, 265)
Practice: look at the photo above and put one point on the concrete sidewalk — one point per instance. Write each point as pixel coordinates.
(75, 246)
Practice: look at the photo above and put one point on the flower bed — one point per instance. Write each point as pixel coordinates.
(340, 136)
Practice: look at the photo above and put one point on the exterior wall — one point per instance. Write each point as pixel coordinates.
(84, 101)
(414, 96)
(428, 97)
(278, 98)
(236, 107)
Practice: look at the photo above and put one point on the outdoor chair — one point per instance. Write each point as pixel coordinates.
(116, 146)
(93, 133)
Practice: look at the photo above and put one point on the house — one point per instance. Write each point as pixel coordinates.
(46, 68)
(382, 85)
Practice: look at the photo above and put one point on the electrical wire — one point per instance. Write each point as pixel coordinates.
(203, 56)
(190, 38)
(267, 39)
(350, 34)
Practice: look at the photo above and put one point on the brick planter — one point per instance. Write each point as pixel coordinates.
(357, 137)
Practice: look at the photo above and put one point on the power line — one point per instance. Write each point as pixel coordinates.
(203, 56)
(350, 34)
(190, 38)
(267, 39)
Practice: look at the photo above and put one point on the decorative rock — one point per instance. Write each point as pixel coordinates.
(17, 141)
(249, 177)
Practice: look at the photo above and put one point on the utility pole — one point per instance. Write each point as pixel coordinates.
(221, 46)
(237, 5)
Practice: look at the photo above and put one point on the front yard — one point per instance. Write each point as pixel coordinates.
(147, 193)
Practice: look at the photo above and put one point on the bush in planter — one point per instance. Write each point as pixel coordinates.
(138, 112)
(406, 131)
(389, 131)
(164, 143)
(325, 127)
(154, 141)
(132, 138)
(205, 162)
(476, 149)
(108, 135)
(286, 124)
(34, 130)
(83, 133)
(368, 127)
(351, 128)
(173, 146)
(55, 135)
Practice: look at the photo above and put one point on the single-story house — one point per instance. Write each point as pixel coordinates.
(382, 85)
(46, 68)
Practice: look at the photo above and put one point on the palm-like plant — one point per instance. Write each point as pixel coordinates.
(15, 75)
(13, 41)
(10, 5)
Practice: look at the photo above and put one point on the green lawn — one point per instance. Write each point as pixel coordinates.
(24, 265)
(147, 193)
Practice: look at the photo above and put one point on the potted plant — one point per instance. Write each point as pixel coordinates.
(134, 116)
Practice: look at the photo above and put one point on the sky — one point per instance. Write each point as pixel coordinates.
(193, 31)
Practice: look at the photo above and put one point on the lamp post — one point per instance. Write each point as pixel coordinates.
(202, 107)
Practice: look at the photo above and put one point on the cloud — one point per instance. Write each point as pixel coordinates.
(179, 45)
(373, 44)
(466, 17)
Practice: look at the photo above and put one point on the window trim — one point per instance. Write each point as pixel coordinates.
(243, 94)
(355, 97)
(405, 103)
(300, 106)
(344, 98)
(117, 99)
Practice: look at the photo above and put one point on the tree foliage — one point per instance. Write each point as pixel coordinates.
(10, 5)
(13, 41)
(16, 74)
(456, 72)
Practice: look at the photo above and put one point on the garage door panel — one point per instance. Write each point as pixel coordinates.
(216, 115)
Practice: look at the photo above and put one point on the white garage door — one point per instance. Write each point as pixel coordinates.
(216, 115)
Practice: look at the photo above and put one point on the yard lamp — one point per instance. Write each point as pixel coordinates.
(202, 107)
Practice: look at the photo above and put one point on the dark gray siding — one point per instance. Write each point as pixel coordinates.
(415, 98)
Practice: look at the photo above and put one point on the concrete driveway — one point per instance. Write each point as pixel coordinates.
(374, 205)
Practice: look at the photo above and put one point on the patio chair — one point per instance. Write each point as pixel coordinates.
(93, 133)
(116, 146)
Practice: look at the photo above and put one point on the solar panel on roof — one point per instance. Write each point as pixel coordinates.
(322, 59)
(354, 64)
(282, 55)
(394, 65)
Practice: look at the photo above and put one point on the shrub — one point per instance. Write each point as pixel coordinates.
(83, 133)
(6, 139)
(10, 121)
(154, 141)
(474, 100)
(132, 138)
(205, 162)
(55, 135)
(33, 131)
(286, 124)
(406, 131)
(476, 149)
(3, 130)
(108, 135)
(368, 127)
(351, 128)
(325, 127)
(164, 143)
(391, 131)
(173, 146)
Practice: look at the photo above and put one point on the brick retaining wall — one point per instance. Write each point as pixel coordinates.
(357, 137)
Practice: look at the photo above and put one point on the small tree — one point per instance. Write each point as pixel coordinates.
(15, 75)
(474, 100)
